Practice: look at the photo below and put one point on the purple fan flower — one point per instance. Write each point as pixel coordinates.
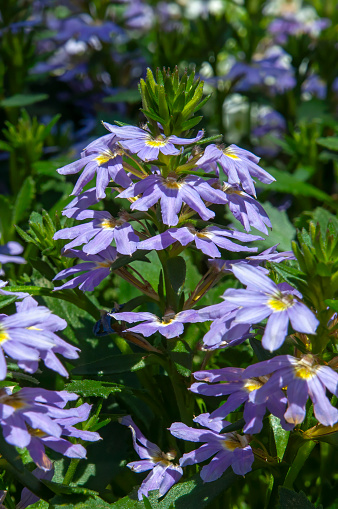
(103, 157)
(240, 390)
(303, 377)
(206, 240)
(9, 252)
(48, 326)
(172, 193)
(238, 164)
(170, 326)
(269, 255)
(80, 203)
(296, 25)
(224, 331)
(246, 209)
(22, 337)
(164, 473)
(83, 28)
(227, 449)
(147, 147)
(34, 417)
(95, 267)
(99, 233)
(263, 298)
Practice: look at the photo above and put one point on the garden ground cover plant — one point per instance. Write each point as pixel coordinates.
(168, 335)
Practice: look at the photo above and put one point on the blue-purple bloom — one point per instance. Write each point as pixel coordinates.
(81, 203)
(246, 209)
(34, 418)
(28, 335)
(172, 193)
(164, 473)
(48, 326)
(303, 377)
(238, 164)
(103, 157)
(145, 145)
(170, 325)
(227, 449)
(263, 298)
(99, 233)
(206, 239)
(9, 252)
(239, 390)
(95, 267)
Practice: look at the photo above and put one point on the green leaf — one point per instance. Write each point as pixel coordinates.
(80, 501)
(146, 503)
(6, 300)
(128, 96)
(94, 388)
(125, 260)
(332, 303)
(177, 270)
(189, 124)
(19, 100)
(331, 142)
(281, 436)
(24, 200)
(289, 498)
(115, 364)
(287, 183)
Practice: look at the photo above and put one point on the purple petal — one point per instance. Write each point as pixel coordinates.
(302, 319)
(217, 466)
(275, 330)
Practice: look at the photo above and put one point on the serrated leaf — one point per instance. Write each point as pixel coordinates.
(20, 100)
(114, 364)
(94, 388)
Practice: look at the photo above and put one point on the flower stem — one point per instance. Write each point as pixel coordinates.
(71, 471)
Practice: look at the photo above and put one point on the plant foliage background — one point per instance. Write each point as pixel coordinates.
(214, 74)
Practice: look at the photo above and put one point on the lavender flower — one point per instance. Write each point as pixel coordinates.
(95, 267)
(48, 326)
(206, 240)
(170, 326)
(303, 377)
(34, 417)
(164, 473)
(99, 233)
(103, 157)
(264, 298)
(240, 390)
(246, 209)
(9, 252)
(172, 192)
(271, 255)
(22, 339)
(227, 449)
(238, 164)
(81, 203)
(147, 147)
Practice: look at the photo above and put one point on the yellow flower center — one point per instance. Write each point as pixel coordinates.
(233, 441)
(109, 224)
(227, 189)
(37, 433)
(13, 400)
(282, 303)
(156, 142)
(227, 153)
(252, 385)
(105, 156)
(3, 336)
(305, 368)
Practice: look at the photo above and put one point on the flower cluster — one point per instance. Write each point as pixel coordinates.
(36, 418)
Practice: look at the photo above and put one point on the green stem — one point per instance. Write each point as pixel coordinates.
(71, 471)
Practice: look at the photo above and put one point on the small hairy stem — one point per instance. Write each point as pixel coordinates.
(71, 471)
